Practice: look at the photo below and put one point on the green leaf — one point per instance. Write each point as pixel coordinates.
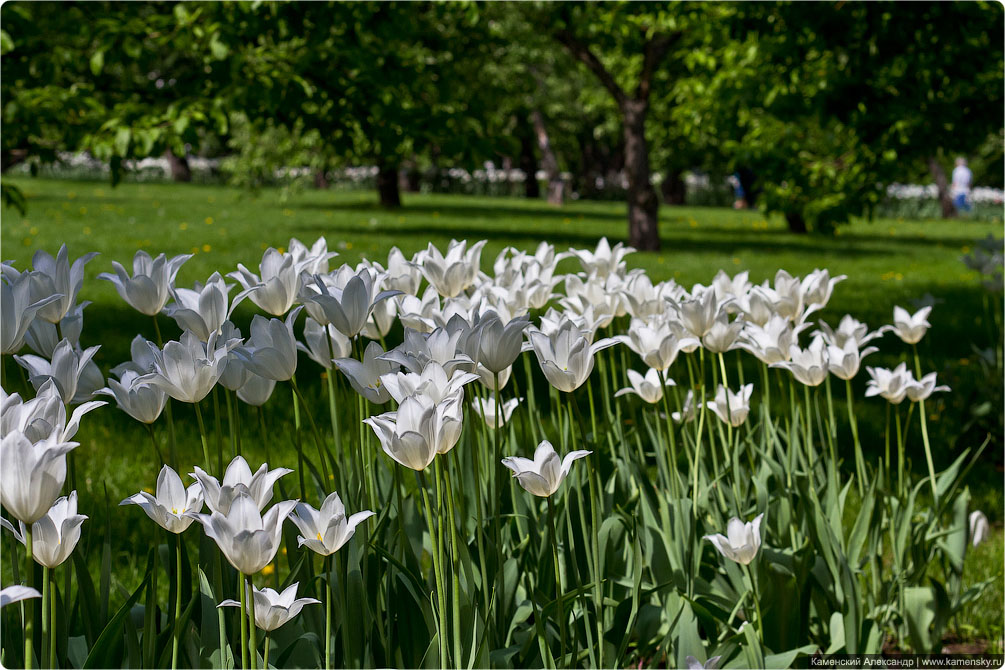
(6, 43)
(105, 652)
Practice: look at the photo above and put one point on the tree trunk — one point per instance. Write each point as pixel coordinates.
(528, 165)
(643, 205)
(945, 197)
(797, 224)
(556, 187)
(321, 178)
(387, 186)
(674, 188)
(180, 170)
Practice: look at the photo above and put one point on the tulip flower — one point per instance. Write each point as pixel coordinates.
(256, 390)
(920, 390)
(593, 297)
(758, 305)
(313, 260)
(849, 329)
(604, 260)
(731, 287)
(55, 535)
(843, 362)
(142, 358)
(491, 413)
(419, 313)
(979, 528)
(402, 275)
(455, 272)
(271, 351)
(694, 664)
(441, 346)
(169, 508)
(273, 609)
(348, 308)
(141, 400)
(809, 365)
(655, 341)
(238, 480)
(687, 412)
(248, 540)
(644, 300)
(565, 356)
(723, 334)
(543, 475)
(741, 542)
(16, 593)
(43, 337)
(648, 387)
(235, 373)
(498, 343)
(57, 277)
(18, 311)
(147, 290)
(434, 382)
(364, 376)
(732, 408)
(202, 309)
(276, 290)
(325, 531)
(698, 314)
(910, 327)
(817, 287)
(31, 475)
(319, 341)
(43, 416)
(419, 430)
(65, 369)
(890, 384)
(771, 341)
(188, 370)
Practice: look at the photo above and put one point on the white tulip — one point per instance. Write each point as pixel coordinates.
(655, 341)
(849, 329)
(147, 290)
(141, 400)
(276, 290)
(890, 384)
(565, 356)
(770, 342)
(325, 531)
(434, 383)
(711, 664)
(256, 390)
(687, 412)
(248, 540)
(170, 506)
(545, 474)
(31, 475)
(188, 370)
(817, 287)
(455, 272)
(348, 307)
(699, 314)
(43, 416)
(844, 362)
(16, 593)
(18, 310)
(43, 337)
(648, 387)
(491, 413)
(319, 341)
(910, 327)
(65, 369)
(238, 480)
(741, 542)
(732, 408)
(202, 309)
(364, 376)
(403, 275)
(271, 350)
(924, 387)
(809, 366)
(273, 609)
(604, 260)
(56, 276)
(419, 430)
(55, 535)
(723, 334)
(313, 260)
(979, 528)
(142, 358)
(443, 346)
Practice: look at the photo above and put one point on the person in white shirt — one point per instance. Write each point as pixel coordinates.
(962, 178)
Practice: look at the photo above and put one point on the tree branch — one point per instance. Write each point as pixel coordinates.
(652, 53)
(582, 53)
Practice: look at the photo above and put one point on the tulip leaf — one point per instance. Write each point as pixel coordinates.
(105, 650)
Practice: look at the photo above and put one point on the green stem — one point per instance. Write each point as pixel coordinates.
(336, 429)
(671, 440)
(244, 624)
(454, 567)
(757, 601)
(558, 580)
(177, 604)
(231, 424)
(153, 439)
(29, 617)
(900, 451)
(853, 422)
(440, 600)
(928, 450)
(46, 595)
(298, 441)
(268, 639)
(219, 428)
(202, 435)
(329, 564)
(316, 433)
(252, 627)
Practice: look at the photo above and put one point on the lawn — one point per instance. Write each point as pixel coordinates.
(888, 262)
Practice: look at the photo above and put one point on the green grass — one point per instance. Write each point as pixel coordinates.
(888, 263)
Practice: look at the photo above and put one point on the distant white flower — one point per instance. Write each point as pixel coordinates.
(311, 260)
(890, 384)
(979, 528)
(732, 408)
(604, 260)
(147, 290)
(655, 341)
(741, 542)
(419, 430)
(771, 342)
(910, 327)
(402, 274)
(849, 329)
(489, 410)
(318, 343)
(922, 388)
(648, 387)
(818, 286)
(453, 273)
(545, 474)
(687, 413)
(348, 307)
(273, 609)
